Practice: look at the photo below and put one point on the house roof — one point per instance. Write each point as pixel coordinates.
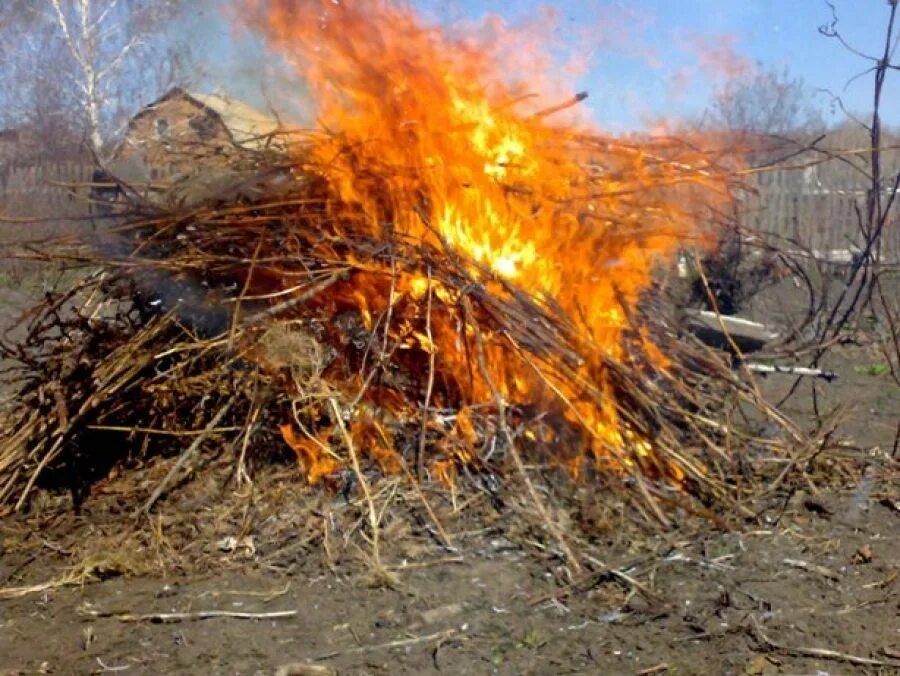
(192, 175)
(249, 127)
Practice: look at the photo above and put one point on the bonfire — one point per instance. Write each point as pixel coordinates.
(454, 282)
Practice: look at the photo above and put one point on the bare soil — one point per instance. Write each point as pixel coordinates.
(824, 577)
(810, 588)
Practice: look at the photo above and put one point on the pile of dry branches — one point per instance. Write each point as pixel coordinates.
(270, 326)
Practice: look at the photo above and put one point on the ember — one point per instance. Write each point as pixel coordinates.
(450, 280)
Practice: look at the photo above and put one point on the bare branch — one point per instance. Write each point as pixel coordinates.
(63, 24)
(830, 30)
(80, 61)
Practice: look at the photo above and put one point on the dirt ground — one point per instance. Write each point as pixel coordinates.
(822, 577)
(812, 587)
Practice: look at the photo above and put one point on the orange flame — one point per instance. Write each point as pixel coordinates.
(311, 454)
(427, 133)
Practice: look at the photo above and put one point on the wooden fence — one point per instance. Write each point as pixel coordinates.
(796, 209)
(45, 190)
(790, 208)
(38, 202)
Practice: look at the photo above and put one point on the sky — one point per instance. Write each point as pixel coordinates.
(651, 57)
(650, 60)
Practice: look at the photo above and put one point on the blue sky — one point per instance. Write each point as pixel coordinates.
(647, 55)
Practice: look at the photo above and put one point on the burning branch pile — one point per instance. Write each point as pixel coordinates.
(439, 285)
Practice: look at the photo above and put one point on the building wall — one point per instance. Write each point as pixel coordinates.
(176, 137)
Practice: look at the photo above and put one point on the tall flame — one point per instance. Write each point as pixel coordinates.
(427, 136)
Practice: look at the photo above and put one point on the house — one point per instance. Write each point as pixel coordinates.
(187, 145)
(184, 150)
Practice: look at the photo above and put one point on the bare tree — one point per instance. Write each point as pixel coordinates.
(766, 114)
(36, 99)
(864, 285)
(89, 58)
(769, 103)
(877, 204)
(83, 27)
(763, 116)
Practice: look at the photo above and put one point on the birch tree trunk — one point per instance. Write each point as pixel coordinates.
(87, 64)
